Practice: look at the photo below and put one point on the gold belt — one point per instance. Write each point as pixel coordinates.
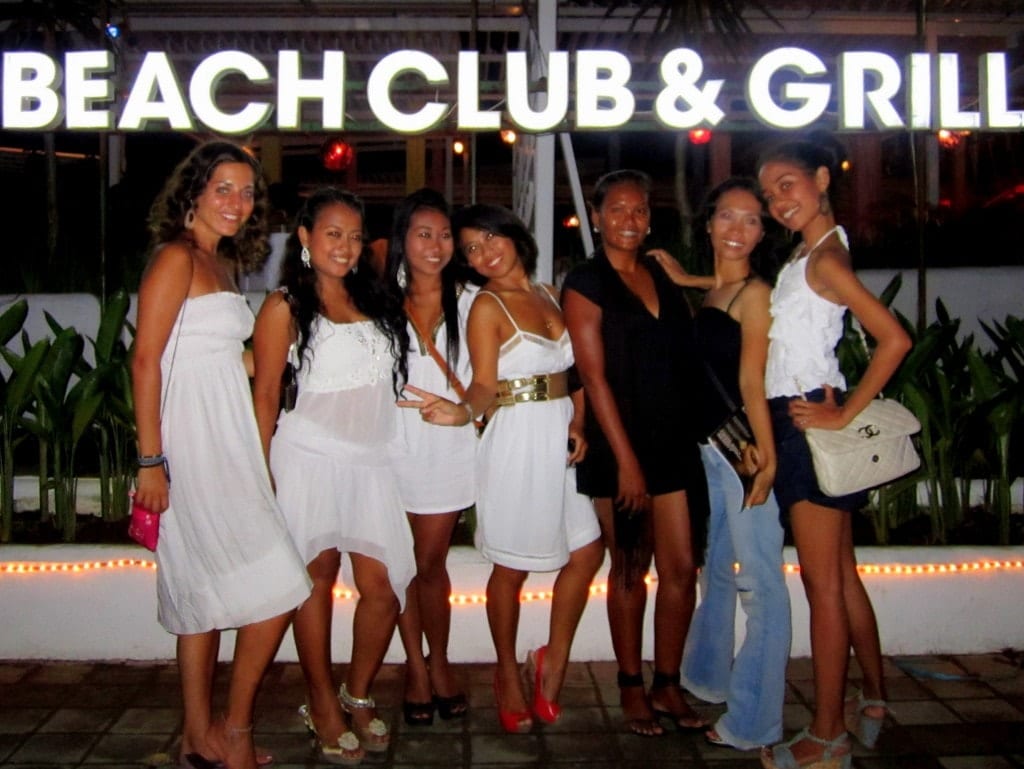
(543, 387)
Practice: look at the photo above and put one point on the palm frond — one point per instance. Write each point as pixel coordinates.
(690, 17)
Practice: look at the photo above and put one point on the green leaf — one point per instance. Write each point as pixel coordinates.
(55, 327)
(85, 412)
(65, 351)
(889, 292)
(112, 325)
(12, 319)
(48, 406)
(22, 382)
(983, 378)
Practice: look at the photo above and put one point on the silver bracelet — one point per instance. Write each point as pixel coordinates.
(469, 410)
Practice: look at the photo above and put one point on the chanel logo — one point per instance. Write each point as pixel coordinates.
(869, 431)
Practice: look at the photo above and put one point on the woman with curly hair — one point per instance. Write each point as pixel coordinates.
(224, 554)
(331, 456)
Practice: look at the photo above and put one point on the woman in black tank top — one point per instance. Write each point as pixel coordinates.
(731, 330)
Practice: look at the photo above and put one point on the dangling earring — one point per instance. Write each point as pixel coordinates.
(304, 256)
(402, 276)
(648, 230)
(597, 229)
(190, 218)
(355, 268)
(824, 206)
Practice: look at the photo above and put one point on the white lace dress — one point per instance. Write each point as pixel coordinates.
(224, 555)
(331, 455)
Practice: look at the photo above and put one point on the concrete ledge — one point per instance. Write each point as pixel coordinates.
(108, 612)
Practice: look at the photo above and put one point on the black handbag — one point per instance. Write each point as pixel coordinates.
(733, 435)
(289, 387)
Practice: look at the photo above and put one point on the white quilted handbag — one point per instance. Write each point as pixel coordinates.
(873, 449)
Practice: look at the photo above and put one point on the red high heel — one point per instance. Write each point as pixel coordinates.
(546, 710)
(513, 722)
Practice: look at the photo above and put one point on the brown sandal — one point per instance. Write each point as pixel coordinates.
(641, 726)
(686, 718)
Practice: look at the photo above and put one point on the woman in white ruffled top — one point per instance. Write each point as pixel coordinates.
(331, 457)
(804, 386)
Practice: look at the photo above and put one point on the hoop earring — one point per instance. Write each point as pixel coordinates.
(190, 218)
(402, 276)
(304, 257)
(824, 205)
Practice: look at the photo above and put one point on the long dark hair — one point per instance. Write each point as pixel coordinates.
(764, 259)
(368, 292)
(500, 221)
(452, 276)
(249, 248)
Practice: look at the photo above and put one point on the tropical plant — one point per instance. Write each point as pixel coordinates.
(59, 418)
(933, 383)
(15, 396)
(998, 381)
(114, 421)
(690, 17)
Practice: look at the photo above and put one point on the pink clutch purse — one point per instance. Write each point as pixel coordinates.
(144, 527)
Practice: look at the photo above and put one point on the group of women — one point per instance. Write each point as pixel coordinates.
(593, 409)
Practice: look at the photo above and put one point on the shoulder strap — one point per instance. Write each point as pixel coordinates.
(746, 282)
(428, 342)
(729, 403)
(503, 307)
(550, 296)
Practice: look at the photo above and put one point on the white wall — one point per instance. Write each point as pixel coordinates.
(111, 613)
(969, 293)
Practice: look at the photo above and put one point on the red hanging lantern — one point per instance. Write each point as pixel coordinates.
(337, 154)
(700, 136)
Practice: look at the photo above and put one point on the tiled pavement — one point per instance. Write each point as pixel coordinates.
(948, 712)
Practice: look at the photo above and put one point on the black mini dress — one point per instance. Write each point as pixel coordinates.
(655, 374)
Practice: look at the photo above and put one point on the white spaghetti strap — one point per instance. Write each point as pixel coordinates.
(550, 296)
(503, 307)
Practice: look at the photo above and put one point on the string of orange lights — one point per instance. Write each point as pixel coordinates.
(22, 568)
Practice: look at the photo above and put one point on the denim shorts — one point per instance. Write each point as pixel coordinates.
(795, 480)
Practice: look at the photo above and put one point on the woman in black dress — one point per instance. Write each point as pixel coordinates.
(631, 334)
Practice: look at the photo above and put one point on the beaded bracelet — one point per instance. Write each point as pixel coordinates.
(155, 460)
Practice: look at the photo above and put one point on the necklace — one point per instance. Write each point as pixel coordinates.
(536, 288)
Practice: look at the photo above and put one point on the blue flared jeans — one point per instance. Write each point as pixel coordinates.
(751, 683)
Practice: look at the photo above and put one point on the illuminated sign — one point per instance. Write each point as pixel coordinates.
(786, 88)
